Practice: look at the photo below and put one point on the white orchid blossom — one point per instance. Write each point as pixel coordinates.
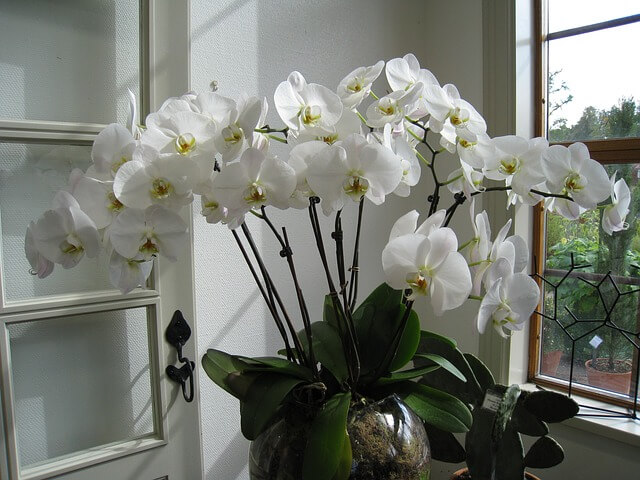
(393, 107)
(143, 234)
(299, 159)
(113, 147)
(157, 179)
(408, 223)
(475, 150)
(183, 132)
(430, 266)
(353, 168)
(40, 266)
(466, 180)
(508, 303)
(306, 106)
(480, 244)
(570, 171)
(348, 124)
(128, 274)
(65, 234)
(96, 198)
(255, 181)
(408, 160)
(614, 215)
(356, 86)
(212, 209)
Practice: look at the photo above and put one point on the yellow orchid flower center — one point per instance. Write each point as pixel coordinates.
(232, 134)
(418, 282)
(572, 183)
(458, 118)
(355, 186)
(255, 194)
(161, 188)
(355, 85)
(149, 248)
(114, 204)
(71, 245)
(387, 106)
(509, 166)
(466, 143)
(311, 114)
(328, 139)
(185, 143)
(115, 166)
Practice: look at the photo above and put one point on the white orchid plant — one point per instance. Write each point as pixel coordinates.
(348, 146)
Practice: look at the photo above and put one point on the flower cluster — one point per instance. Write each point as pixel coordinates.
(347, 145)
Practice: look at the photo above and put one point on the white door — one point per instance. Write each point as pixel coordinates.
(84, 389)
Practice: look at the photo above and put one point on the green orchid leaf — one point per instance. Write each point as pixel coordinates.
(279, 365)
(327, 348)
(435, 407)
(325, 446)
(344, 463)
(262, 401)
(408, 342)
(544, 453)
(329, 313)
(219, 365)
(444, 363)
(406, 375)
(425, 334)
(445, 447)
(480, 371)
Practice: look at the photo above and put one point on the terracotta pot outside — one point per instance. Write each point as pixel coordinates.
(550, 362)
(618, 382)
(457, 474)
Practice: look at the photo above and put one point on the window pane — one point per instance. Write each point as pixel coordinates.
(593, 85)
(565, 14)
(70, 61)
(594, 325)
(80, 382)
(30, 175)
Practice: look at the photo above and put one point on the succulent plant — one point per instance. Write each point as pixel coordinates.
(493, 447)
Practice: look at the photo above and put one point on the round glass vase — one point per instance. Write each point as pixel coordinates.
(388, 441)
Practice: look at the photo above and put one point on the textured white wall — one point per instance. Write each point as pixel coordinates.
(251, 45)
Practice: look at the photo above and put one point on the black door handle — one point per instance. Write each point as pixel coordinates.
(177, 334)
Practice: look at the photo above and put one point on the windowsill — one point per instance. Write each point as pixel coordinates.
(625, 430)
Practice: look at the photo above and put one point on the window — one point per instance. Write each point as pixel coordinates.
(588, 91)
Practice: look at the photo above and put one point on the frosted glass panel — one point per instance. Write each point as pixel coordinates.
(80, 382)
(68, 60)
(29, 177)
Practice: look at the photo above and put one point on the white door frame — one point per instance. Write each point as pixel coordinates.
(174, 450)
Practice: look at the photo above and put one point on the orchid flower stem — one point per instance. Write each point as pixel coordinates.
(435, 197)
(287, 253)
(355, 269)
(364, 120)
(451, 180)
(268, 129)
(277, 139)
(475, 297)
(353, 362)
(460, 198)
(273, 293)
(268, 300)
(424, 160)
(466, 244)
(537, 192)
(374, 95)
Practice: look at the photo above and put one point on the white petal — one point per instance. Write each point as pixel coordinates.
(405, 224)
(402, 256)
(451, 284)
(127, 274)
(442, 242)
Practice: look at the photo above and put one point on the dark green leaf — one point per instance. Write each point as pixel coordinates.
(480, 371)
(279, 365)
(262, 401)
(444, 363)
(325, 445)
(329, 312)
(344, 463)
(510, 456)
(425, 334)
(478, 445)
(445, 447)
(435, 407)
(544, 453)
(525, 422)
(408, 342)
(327, 348)
(551, 406)
(406, 375)
(219, 365)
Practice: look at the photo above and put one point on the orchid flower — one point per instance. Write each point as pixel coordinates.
(40, 266)
(430, 266)
(63, 235)
(113, 147)
(128, 274)
(353, 168)
(255, 181)
(306, 106)
(356, 86)
(95, 198)
(212, 209)
(408, 224)
(408, 160)
(299, 159)
(613, 217)
(348, 124)
(570, 171)
(393, 107)
(183, 132)
(143, 234)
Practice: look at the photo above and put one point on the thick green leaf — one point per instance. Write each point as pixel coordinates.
(406, 375)
(329, 313)
(445, 447)
(470, 391)
(544, 453)
(437, 337)
(444, 363)
(510, 456)
(408, 342)
(327, 348)
(325, 446)
(279, 365)
(526, 422)
(435, 407)
(551, 406)
(219, 365)
(262, 401)
(344, 463)
(480, 371)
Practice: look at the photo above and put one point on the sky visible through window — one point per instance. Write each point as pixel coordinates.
(598, 68)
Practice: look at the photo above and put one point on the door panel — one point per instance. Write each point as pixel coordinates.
(84, 393)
